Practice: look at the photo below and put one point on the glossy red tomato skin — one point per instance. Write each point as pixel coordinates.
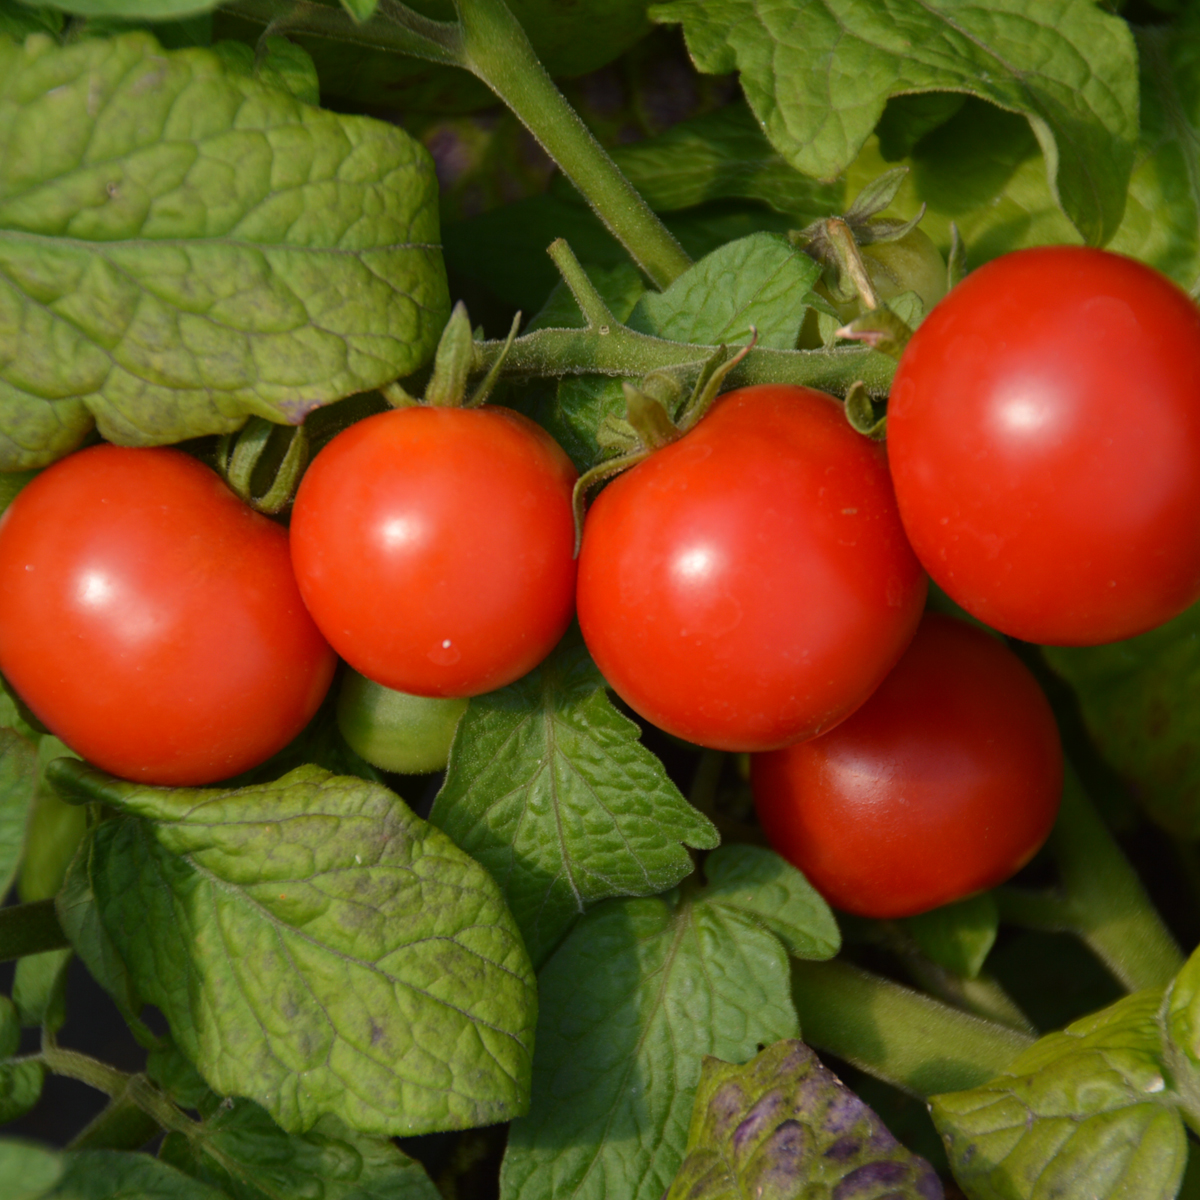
(434, 547)
(944, 783)
(151, 620)
(1044, 437)
(750, 584)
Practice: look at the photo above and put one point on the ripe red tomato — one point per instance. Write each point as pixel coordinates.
(1044, 437)
(750, 584)
(434, 547)
(945, 782)
(150, 618)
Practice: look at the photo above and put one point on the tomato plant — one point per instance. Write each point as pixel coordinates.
(1044, 436)
(572, 960)
(944, 783)
(750, 584)
(434, 547)
(159, 632)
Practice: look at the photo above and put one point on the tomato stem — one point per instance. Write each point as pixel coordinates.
(124, 1089)
(1102, 900)
(618, 350)
(497, 51)
(907, 1039)
(1113, 914)
(595, 311)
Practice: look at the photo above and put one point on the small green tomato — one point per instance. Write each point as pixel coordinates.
(909, 264)
(393, 730)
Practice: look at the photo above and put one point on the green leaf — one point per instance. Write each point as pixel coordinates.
(239, 1149)
(360, 10)
(17, 20)
(1162, 214)
(1082, 1115)
(18, 784)
(761, 886)
(20, 1082)
(125, 1175)
(723, 155)
(200, 248)
(760, 280)
(907, 119)
(79, 917)
(39, 989)
(983, 169)
(1137, 700)
(958, 936)
(818, 78)
(243, 1153)
(316, 947)
(20, 1088)
(10, 1027)
(276, 62)
(1181, 1026)
(136, 10)
(27, 1170)
(638, 993)
(181, 1081)
(550, 789)
(784, 1126)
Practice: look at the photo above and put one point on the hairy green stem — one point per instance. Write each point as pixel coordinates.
(907, 1039)
(84, 1068)
(1101, 899)
(498, 52)
(29, 929)
(123, 1090)
(1112, 912)
(618, 350)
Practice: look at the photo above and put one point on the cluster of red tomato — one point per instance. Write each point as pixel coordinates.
(755, 585)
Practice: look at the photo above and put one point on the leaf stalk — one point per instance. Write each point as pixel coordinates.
(909, 1040)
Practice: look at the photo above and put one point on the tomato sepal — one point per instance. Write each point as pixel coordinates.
(648, 425)
(862, 415)
(264, 452)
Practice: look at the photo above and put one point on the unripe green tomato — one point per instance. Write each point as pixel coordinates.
(909, 264)
(393, 730)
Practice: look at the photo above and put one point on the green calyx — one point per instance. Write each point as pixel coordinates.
(649, 424)
(458, 357)
(263, 463)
